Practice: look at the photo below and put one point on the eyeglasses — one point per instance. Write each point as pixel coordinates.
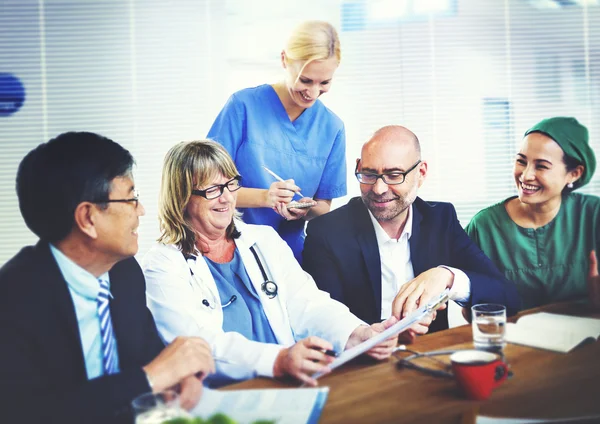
(407, 361)
(441, 369)
(217, 190)
(135, 199)
(391, 178)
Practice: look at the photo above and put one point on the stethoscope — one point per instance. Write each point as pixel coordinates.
(268, 287)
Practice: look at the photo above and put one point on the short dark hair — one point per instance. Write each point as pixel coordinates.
(58, 175)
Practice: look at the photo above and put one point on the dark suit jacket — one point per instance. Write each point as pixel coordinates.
(341, 254)
(42, 370)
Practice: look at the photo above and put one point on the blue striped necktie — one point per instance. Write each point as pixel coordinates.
(106, 329)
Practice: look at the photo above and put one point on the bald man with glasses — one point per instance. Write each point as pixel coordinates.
(388, 251)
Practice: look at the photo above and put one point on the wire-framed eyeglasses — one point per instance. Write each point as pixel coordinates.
(135, 199)
(390, 178)
(439, 367)
(215, 191)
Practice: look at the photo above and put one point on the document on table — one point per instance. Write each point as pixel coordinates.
(560, 333)
(395, 329)
(294, 406)
(481, 419)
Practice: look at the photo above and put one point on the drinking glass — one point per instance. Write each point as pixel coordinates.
(489, 326)
(156, 408)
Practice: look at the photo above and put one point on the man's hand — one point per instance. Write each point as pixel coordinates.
(594, 281)
(364, 332)
(304, 359)
(421, 290)
(184, 357)
(417, 329)
(190, 392)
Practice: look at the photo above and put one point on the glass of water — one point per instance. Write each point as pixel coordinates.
(489, 326)
(156, 408)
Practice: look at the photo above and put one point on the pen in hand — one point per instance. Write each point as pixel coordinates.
(278, 178)
(327, 352)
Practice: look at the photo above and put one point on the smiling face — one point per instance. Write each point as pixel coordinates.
(118, 223)
(392, 150)
(212, 217)
(540, 172)
(315, 79)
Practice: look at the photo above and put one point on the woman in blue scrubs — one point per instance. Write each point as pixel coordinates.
(285, 127)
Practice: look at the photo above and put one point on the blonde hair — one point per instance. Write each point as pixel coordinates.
(313, 40)
(188, 165)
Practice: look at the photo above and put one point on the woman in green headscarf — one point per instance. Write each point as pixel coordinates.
(545, 238)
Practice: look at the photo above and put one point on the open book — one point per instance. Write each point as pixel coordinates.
(559, 333)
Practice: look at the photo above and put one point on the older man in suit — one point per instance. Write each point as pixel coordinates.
(78, 340)
(389, 251)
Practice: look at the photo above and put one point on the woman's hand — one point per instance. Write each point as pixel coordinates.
(364, 332)
(292, 214)
(304, 359)
(594, 281)
(281, 192)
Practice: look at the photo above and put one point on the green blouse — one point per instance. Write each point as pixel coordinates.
(550, 263)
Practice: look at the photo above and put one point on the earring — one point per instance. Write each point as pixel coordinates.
(570, 185)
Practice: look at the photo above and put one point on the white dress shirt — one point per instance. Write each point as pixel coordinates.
(84, 288)
(397, 269)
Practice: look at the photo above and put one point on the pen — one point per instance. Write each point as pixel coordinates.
(327, 352)
(278, 178)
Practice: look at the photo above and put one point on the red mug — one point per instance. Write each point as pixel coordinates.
(478, 372)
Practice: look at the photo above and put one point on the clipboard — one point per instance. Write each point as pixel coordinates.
(395, 329)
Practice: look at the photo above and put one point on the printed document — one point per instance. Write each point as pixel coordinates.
(293, 406)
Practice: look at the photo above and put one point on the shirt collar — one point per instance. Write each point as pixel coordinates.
(78, 279)
(382, 236)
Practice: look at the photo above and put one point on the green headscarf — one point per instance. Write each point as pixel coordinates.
(573, 138)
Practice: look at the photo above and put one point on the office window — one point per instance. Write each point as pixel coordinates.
(467, 76)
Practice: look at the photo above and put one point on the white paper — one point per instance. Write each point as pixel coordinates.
(559, 333)
(395, 329)
(497, 420)
(565, 323)
(292, 406)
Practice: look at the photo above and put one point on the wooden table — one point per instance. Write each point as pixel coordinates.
(545, 384)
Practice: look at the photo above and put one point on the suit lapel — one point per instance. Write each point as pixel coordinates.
(370, 250)
(54, 288)
(420, 256)
(416, 252)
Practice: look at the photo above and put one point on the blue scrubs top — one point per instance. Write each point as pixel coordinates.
(255, 129)
(245, 315)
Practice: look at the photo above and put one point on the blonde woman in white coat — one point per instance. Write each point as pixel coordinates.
(238, 285)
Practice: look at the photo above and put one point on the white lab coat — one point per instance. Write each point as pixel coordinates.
(299, 310)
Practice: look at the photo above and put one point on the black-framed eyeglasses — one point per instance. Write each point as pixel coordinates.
(390, 178)
(135, 199)
(217, 190)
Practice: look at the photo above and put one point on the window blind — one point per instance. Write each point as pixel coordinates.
(467, 76)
